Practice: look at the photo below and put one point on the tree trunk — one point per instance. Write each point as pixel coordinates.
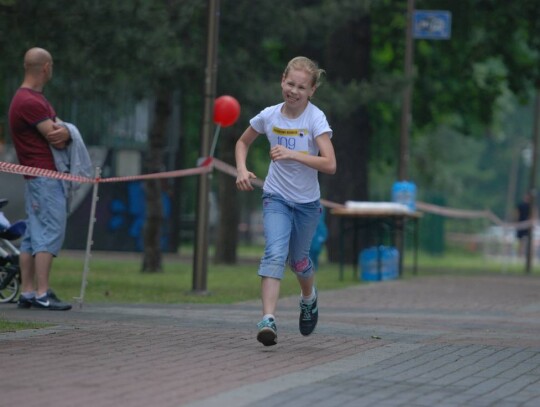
(348, 59)
(229, 211)
(154, 163)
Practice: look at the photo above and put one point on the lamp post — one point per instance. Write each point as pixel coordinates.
(407, 95)
(403, 166)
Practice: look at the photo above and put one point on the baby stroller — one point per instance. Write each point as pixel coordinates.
(10, 275)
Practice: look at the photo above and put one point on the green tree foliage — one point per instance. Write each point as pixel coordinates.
(105, 49)
(468, 91)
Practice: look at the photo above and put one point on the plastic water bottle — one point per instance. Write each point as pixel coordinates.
(368, 260)
(404, 192)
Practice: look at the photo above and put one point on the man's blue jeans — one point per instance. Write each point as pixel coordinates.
(46, 211)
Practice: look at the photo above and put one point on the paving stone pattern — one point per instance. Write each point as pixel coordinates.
(423, 341)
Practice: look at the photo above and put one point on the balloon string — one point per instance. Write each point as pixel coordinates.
(214, 142)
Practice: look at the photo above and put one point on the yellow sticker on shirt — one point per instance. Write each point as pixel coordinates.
(293, 139)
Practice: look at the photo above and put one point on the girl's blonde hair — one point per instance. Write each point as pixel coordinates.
(306, 64)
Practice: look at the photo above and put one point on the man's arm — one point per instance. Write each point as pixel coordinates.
(56, 134)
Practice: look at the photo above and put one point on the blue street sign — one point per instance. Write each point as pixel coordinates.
(432, 24)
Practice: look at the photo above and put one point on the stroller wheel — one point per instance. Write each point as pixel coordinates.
(10, 291)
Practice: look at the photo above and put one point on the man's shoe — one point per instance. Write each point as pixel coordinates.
(25, 302)
(267, 332)
(309, 314)
(52, 295)
(51, 302)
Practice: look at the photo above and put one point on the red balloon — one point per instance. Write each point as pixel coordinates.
(226, 111)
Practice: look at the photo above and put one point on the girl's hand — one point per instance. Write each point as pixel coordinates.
(280, 153)
(243, 180)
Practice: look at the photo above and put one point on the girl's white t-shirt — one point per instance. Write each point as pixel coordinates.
(292, 180)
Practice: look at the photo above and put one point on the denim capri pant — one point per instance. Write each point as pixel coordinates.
(288, 230)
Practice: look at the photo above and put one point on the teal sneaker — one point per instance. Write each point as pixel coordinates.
(309, 315)
(267, 332)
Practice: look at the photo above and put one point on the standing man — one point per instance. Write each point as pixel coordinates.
(523, 214)
(34, 130)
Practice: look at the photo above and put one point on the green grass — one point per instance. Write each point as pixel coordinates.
(120, 280)
(114, 280)
(465, 262)
(10, 326)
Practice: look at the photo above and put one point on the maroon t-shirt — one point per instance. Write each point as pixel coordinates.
(28, 108)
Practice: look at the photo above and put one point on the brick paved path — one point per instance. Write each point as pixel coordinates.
(426, 341)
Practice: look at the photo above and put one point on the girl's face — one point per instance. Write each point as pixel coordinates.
(297, 88)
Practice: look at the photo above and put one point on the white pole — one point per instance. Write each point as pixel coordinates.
(214, 142)
(89, 239)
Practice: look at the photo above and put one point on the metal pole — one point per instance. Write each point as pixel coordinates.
(399, 238)
(214, 142)
(532, 183)
(200, 260)
(407, 95)
(89, 238)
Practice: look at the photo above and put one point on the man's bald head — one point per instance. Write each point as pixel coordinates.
(35, 59)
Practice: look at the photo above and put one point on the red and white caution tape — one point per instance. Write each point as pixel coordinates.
(472, 214)
(231, 170)
(168, 174)
(39, 172)
(452, 213)
(209, 163)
